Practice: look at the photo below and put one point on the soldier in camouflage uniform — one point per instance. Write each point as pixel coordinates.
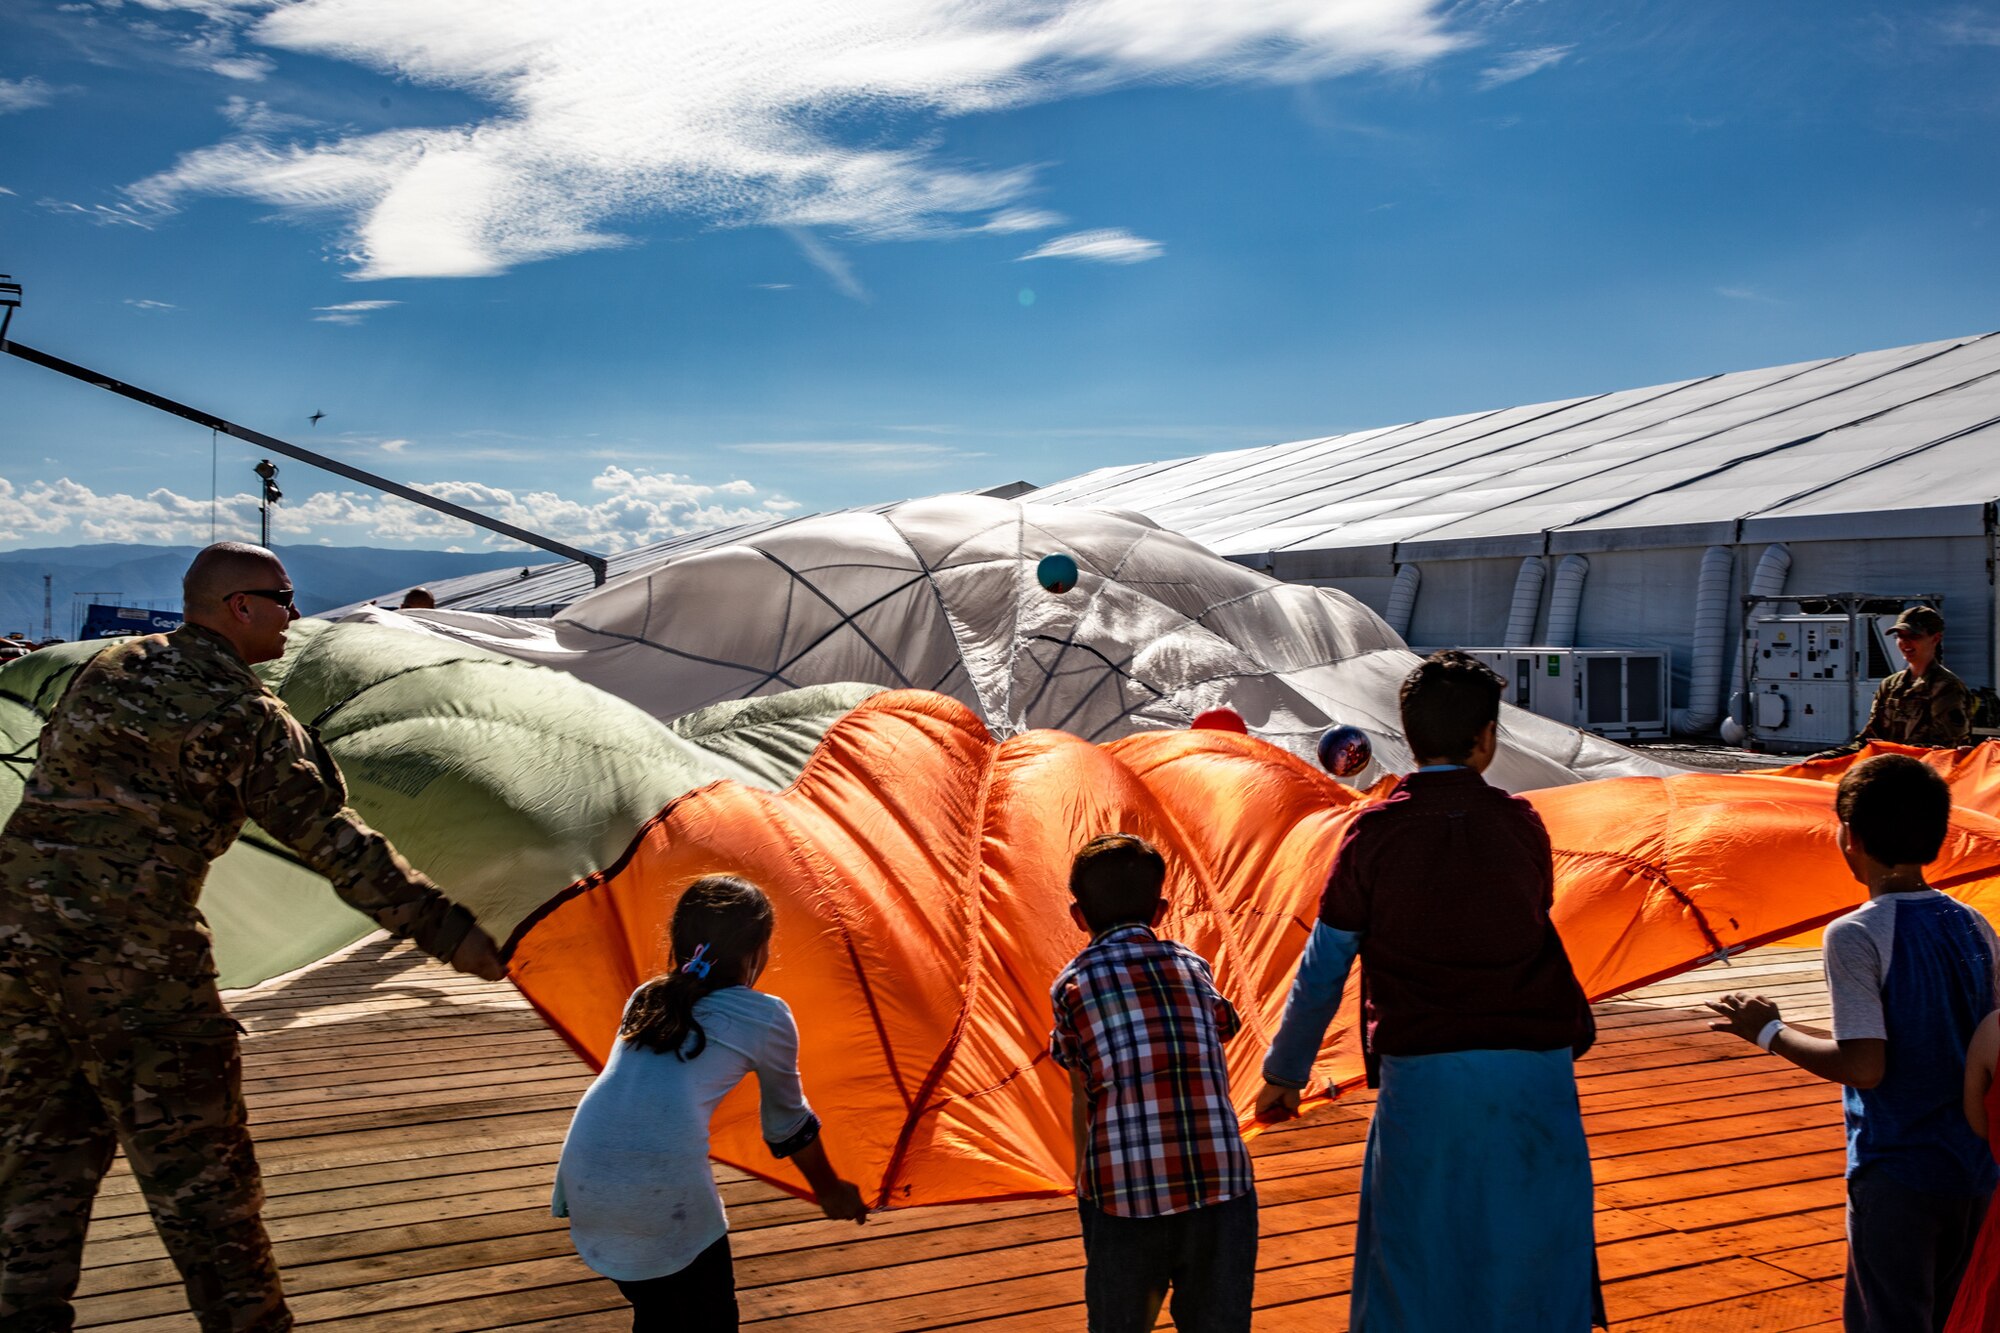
(1924, 704)
(111, 1030)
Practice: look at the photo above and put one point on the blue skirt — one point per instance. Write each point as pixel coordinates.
(1475, 1198)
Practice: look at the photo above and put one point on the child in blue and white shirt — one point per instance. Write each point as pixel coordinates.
(1911, 973)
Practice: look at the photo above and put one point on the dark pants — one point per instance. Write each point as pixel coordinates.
(701, 1298)
(1206, 1256)
(1906, 1251)
(93, 1057)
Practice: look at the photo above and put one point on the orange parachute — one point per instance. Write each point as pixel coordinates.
(918, 869)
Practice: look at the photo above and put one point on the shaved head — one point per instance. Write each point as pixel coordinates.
(225, 568)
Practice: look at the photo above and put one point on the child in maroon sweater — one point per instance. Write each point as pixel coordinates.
(1476, 1190)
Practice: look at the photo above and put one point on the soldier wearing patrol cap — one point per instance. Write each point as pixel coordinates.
(111, 1030)
(1923, 704)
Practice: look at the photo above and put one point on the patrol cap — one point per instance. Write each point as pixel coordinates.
(1919, 620)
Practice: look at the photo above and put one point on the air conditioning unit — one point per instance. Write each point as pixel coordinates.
(1811, 664)
(1615, 692)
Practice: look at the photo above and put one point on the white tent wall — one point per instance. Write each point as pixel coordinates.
(1644, 598)
(1878, 471)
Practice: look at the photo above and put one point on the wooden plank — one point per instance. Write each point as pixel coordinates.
(409, 1120)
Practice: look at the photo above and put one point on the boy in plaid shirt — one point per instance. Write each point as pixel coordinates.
(1163, 1182)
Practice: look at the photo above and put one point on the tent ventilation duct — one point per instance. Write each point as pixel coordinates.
(1565, 600)
(1773, 567)
(1711, 643)
(1527, 602)
(1403, 600)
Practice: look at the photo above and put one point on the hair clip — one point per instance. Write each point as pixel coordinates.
(697, 964)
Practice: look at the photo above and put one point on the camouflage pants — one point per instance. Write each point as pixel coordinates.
(93, 1056)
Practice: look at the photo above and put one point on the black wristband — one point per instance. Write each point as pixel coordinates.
(798, 1141)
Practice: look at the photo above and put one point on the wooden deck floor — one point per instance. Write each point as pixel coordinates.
(408, 1121)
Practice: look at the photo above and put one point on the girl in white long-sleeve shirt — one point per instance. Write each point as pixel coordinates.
(634, 1178)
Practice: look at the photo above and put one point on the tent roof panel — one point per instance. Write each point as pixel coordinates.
(1679, 457)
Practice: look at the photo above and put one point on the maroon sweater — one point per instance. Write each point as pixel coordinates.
(1448, 882)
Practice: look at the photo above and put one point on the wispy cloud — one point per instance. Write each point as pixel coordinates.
(1967, 26)
(1104, 245)
(772, 286)
(5, 190)
(1749, 294)
(828, 261)
(393, 446)
(349, 312)
(104, 215)
(1520, 64)
(861, 455)
(732, 116)
(25, 94)
(626, 508)
(258, 117)
(149, 305)
(1009, 220)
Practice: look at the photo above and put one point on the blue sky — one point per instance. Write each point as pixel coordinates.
(685, 264)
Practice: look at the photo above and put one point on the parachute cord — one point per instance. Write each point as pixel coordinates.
(211, 485)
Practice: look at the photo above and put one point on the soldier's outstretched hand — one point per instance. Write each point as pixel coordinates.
(478, 955)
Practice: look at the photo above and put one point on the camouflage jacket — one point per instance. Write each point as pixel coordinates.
(154, 758)
(1933, 709)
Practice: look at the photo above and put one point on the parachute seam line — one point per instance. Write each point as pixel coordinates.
(645, 642)
(612, 869)
(1014, 624)
(975, 915)
(846, 618)
(1224, 924)
(944, 612)
(508, 664)
(1077, 621)
(1646, 870)
(1009, 1077)
(831, 630)
(800, 852)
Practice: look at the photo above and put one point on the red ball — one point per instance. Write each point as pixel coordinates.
(1220, 719)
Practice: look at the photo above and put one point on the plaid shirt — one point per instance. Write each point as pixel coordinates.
(1140, 1019)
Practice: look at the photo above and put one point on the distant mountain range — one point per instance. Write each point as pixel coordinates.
(150, 576)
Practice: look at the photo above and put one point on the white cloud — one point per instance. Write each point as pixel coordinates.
(258, 117)
(150, 305)
(830, 262)
(634, 507)
(772, 286)
(104, 215)
(1105, 245)
(1748, 294)
(393, 446)
(5, 190)
(349, 312)
(1520, 64)
(1023, 219)
(1967, 26)
(731, 114)
(24, 94)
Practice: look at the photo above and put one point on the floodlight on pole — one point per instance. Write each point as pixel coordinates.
(267, 473)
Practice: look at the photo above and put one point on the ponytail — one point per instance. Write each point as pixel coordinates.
(719, 925)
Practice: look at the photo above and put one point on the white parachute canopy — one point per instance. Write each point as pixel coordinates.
(941, 594)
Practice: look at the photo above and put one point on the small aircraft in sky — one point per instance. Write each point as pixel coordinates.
(314, 418)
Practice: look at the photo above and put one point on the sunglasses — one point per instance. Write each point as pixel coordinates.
(282, 596)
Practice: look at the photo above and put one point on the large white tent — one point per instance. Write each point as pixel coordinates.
(1874, 473)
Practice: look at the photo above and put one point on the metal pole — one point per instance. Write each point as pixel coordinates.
(597, 563)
